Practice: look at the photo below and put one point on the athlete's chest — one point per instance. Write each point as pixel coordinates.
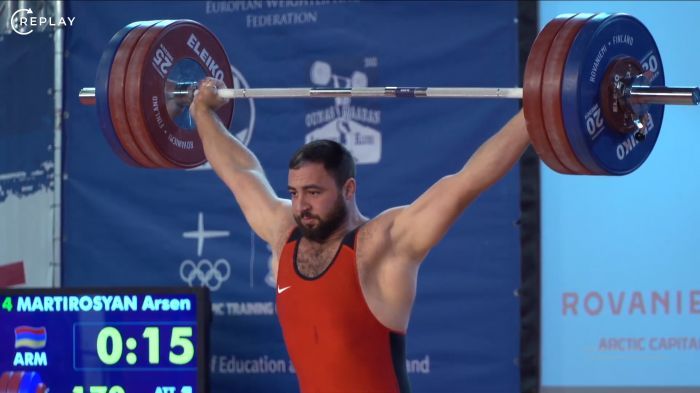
(314, 259)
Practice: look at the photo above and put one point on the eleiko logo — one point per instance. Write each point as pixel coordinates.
(23, 24)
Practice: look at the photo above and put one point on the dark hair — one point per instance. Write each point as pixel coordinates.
(336, 159)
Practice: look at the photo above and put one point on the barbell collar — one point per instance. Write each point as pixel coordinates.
(87, 96)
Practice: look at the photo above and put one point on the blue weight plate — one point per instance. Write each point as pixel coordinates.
(30, 382)
(603, 39)
(102, 93)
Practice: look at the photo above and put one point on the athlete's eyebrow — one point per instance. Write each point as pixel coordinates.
(308, 187)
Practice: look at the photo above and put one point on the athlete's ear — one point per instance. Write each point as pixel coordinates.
(349, 188)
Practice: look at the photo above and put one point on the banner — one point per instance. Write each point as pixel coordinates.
(26, 159)
(129, 226)
(620, 294)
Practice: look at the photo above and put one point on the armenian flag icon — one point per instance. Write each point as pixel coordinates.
(30, 337)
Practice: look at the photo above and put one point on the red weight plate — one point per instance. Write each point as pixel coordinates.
(14, 382)
(161, 49)
(117, 106)
(532, 94)
(4, 379)
(551, 93)
(138, 126)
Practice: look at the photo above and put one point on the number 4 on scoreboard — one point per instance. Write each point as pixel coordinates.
(7, 304)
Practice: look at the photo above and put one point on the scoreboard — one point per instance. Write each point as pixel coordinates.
(104, 340)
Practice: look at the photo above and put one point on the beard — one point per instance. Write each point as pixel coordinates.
(326, 227)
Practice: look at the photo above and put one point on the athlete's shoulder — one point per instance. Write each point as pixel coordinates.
(374, 235)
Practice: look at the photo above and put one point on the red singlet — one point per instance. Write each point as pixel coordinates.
(333, 339)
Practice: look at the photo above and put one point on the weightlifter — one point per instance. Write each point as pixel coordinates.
(346, 282)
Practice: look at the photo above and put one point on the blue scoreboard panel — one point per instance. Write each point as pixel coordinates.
(106, 340)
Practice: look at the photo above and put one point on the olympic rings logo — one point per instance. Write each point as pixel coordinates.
(204, 273)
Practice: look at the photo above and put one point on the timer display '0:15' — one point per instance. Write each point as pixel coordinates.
(111, 345)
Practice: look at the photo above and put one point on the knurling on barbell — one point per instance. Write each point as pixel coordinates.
(593, 92)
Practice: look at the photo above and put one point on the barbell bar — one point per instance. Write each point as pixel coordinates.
(636, 94)
(593, 92)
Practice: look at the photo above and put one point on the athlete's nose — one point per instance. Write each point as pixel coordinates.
(304, 205)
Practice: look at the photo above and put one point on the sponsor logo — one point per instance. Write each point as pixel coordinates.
(354, 126)
(280, 290)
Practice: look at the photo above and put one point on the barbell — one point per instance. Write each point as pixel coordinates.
(593, 92)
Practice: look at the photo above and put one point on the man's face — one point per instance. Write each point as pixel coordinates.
(317, 203)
